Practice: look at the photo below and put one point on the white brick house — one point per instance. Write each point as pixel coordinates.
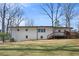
(36, 32)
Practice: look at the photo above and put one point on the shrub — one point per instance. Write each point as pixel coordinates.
(5, 35)
(12, 40)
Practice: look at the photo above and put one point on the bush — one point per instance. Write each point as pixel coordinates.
(12, 40)
(5, 35)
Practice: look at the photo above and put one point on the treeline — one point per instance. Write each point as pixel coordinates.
(60, 12)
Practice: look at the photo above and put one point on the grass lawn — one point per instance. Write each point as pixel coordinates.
(66, 47)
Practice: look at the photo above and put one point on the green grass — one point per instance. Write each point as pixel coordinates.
(41, 48)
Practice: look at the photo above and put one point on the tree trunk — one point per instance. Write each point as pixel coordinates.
(3, 21)
(7, 26)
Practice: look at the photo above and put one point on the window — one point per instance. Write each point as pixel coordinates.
(44, 30)
(59, 30)
(26, 29)
(41, 37)
(26, 36)
(17, 29)
(38, 30)
(41, 30)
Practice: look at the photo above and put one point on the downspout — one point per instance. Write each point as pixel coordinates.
(37, 33)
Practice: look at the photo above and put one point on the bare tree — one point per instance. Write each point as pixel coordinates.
(53, 11)
(10, 15)
(2, 17)
(15, 16)
(58, 14)
(77, 24)
(48, 13)
(69, 13)
(29, 22)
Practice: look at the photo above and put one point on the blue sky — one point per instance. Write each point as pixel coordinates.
(33, 11)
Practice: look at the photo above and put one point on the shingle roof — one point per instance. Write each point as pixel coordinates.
(37, 27)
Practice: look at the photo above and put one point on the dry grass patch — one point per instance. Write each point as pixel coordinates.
(41, 47)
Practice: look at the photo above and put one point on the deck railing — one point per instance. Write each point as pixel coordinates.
(56, 34)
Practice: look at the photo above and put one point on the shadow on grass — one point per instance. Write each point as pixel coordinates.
(46, 48)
